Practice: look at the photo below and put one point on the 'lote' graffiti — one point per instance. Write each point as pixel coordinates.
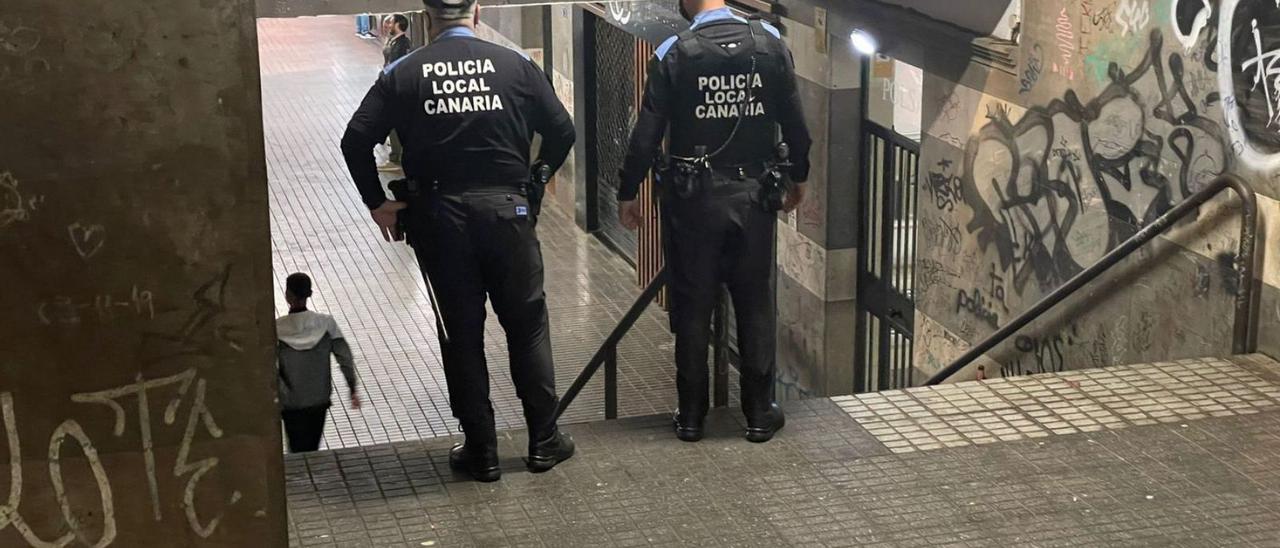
(181, 388)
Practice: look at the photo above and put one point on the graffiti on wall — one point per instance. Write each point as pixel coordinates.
(1067, 44)
(21, 64)
(1040, 354)
(1132, 15)
(1251, 88)
(1177, 92)
(16, 205)
(70, 438)
(1190, 19)
(1071, 179)
(173, 407)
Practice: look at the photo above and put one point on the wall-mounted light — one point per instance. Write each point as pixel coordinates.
(863, 42)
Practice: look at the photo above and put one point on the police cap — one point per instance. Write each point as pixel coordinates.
(451, 9)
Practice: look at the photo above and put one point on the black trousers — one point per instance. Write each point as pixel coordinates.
(304, 427)
(722, 236)
(477, 245)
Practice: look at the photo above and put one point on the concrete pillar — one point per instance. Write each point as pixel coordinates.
(136, 355)
(817, 254)
(561, 60)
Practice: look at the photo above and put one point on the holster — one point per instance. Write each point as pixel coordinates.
(775, 180)
(684, 179)
(536, 189)
(773, 189)
(410, 192)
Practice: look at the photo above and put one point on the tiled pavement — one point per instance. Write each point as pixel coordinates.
(314, 73)
(1019, 408)
(1208, 478)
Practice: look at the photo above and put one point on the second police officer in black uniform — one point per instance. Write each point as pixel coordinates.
(722, 88)
(466, 111)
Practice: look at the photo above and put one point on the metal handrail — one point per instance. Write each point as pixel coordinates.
(607, 355)
(608, 352)
(1244, 334)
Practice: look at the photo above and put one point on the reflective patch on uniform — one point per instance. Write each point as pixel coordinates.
(452, 82)
(665, 47)
(522, 211)
(729, 96)
(387, 69)
(460, 105)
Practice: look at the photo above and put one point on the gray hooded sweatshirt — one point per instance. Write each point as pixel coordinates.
(306, 340)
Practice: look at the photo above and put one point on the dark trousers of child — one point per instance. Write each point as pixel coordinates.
(304, 428)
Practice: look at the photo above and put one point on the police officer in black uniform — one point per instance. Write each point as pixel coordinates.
(722, 87)
(466, 111)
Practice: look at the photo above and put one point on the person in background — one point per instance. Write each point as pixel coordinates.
(363, 26)
(305, 340)
(395, 27)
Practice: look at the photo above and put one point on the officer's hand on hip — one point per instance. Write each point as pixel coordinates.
(795, 195)
(629, 214)
(385, 216)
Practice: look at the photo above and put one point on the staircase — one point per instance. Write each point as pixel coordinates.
(1154, 454)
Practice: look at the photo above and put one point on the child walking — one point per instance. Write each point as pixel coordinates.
(306, 339)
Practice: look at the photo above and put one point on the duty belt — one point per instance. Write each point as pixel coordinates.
(458, 187)
(738, 173)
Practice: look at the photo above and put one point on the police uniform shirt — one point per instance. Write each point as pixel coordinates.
(701, 98)
(466, 111)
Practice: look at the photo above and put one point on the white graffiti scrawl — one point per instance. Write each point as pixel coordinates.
(1249, 74)
(1133, 15)
(175, 391)
(1265, 70)
(620, 11)
(1190, 18)
(15, 205)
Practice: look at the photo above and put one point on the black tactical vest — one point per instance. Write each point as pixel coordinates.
(724, 71)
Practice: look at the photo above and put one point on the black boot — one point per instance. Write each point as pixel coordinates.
(762, 430)
(481, 464)
(687, 430)
(547, 454)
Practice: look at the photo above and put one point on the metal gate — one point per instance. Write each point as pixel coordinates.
(886, 260)
(621, 64)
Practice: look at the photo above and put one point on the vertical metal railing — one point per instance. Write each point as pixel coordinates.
(606, 356)
(885, 271)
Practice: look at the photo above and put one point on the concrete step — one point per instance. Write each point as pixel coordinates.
(1174, 453)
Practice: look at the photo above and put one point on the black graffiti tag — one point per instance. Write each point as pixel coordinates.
(944, 186)
(1102, 164)
(978, 305)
